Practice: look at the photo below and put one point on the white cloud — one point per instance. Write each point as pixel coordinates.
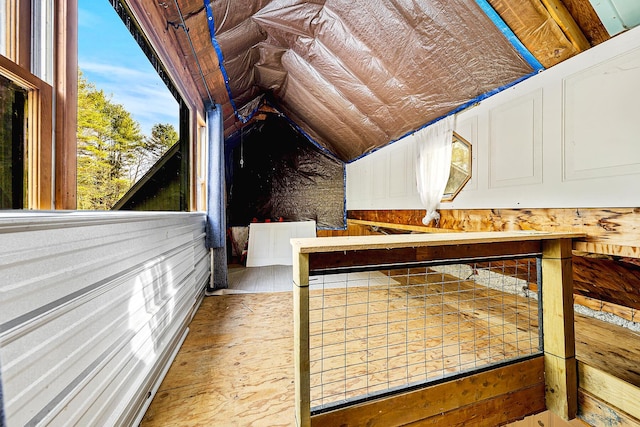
(142, 93)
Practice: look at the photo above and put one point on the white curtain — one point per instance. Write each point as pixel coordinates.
(433, 165)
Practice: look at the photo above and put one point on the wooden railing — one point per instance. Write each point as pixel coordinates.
(559, 386)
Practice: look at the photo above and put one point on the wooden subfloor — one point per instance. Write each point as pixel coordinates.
(236, 365)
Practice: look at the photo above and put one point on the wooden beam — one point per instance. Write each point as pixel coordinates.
(561, 15)
(610, 389)
(23, 35)
(405, 227)
(595, 412)
(608, 279)
(351, 243)
(596, 348)
(558, 328)
(588, 20)
(301, 339)
(442, 403)
(561, 385)
(612, 231)
(66, 93)
(607, 248)
(429, 253)
(492, 412)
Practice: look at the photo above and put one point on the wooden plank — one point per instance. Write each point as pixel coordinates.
(557, 299)
(595, 347)
(607, 249)
(561, 15)
(588, 21)
(603, 226)
(351, 243)
(561, 386)
(609, 279)
(301, 339)
(44, 156)
(405, 227)
(431, 253)
(432, 401)
(598, 413)
(610, 389)
(547, 418)
(318, 261)
(66, 117)
(558, 328)
(479, 250)
(492, 412)
(618, 310)
(537, 30)
(591, 303)
(234, 368)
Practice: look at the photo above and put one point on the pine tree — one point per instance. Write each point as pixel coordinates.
(163, 136)
(108, 140)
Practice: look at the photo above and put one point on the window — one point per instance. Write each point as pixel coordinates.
(13, 107)
(25, 139)
(460, 167)
(6, 27)
(26, 155)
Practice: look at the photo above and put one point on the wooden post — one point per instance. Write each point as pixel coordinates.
(561, 383)
(301, 338)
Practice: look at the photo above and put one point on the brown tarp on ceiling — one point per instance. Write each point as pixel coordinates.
(358, 74)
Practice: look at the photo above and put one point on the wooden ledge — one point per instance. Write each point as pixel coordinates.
(396, 241)
(607, 248)
(404, 227)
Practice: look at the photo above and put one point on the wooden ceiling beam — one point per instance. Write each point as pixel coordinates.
(561, 15)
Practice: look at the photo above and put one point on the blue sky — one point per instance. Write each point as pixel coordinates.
(110, 58)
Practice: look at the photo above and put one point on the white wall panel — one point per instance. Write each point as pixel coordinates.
(468, 130)
(516, 142)
(400, 171)
(566, 137)
(92, 307)
(269, 242)
(601, 127)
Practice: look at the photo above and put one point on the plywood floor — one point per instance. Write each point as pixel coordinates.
(236, 365)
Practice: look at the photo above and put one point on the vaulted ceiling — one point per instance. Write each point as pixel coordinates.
(355, 75)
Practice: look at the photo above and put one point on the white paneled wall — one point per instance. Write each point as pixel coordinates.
(93, 307)
(567, 137)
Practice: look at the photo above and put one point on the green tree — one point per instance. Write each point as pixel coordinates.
(163, 136)
(108, 142)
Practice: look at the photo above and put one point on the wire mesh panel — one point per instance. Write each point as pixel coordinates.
(373, 332)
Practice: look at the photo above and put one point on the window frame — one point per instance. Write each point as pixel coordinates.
(39, 133)
(448, 197)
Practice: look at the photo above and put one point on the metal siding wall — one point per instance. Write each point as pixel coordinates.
(92, 306)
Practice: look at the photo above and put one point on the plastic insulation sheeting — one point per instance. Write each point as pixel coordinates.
(274, 174)
(355, 75)
(218, 50)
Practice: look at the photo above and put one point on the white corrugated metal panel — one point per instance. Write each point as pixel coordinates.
(92, 306)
